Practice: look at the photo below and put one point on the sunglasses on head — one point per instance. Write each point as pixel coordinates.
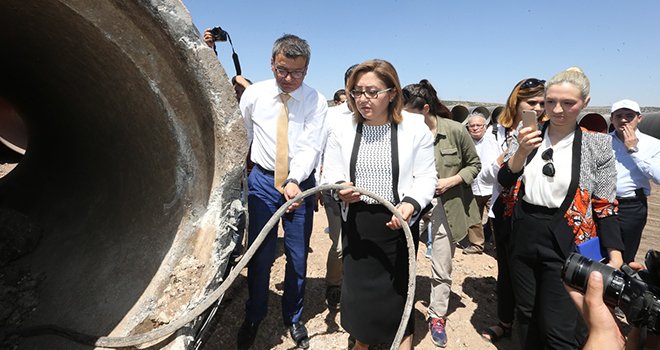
(549, 168)
(531, 82)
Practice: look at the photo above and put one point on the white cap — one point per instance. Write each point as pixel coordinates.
(629, 104)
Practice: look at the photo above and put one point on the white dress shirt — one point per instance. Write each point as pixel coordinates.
(635, 170)
(488, 150)
(260, 106)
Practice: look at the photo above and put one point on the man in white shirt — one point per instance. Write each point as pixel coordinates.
(284, 120)
(637, 164)
(482, 187)
(334, 264)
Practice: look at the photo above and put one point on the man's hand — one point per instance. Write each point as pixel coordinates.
(290, 191)
(406, 210)
(630, 140)
(208, 38)
(604, 333)
(348, 195)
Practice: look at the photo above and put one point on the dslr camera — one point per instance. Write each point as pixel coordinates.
(219, 34)
(635, 293)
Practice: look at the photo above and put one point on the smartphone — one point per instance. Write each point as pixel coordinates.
(529, 120)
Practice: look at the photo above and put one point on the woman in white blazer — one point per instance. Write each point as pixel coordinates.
(391, 155)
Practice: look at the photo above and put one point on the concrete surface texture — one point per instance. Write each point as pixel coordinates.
(135, 150)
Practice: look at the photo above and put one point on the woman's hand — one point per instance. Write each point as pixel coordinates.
(616, 259)
(528, 140)
(349, 195)
(406, 210)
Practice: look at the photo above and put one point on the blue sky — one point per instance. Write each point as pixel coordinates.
(469, 50)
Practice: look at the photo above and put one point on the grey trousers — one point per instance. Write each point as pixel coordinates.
(443, 252)
(334, 266)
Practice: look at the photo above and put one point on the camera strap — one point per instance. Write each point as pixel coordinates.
(234, 55)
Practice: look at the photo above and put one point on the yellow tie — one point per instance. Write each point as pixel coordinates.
(282, 148)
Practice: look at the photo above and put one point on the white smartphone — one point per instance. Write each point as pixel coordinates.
(529, 120)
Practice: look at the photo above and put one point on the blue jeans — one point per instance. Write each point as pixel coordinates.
(263, 202)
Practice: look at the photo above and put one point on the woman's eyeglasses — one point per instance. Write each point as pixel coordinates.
(531, 82)
(548, 168)
(368, 93)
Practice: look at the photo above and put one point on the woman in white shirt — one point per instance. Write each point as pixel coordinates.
(566, 197)
(390, 155)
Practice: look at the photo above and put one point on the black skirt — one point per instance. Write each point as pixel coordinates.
(375, 282)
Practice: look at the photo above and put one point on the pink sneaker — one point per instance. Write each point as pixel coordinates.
(438, 333)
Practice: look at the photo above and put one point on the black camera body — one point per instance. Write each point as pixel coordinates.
(219, 34)
(636, 293)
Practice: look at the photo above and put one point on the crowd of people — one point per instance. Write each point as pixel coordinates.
(540, 190)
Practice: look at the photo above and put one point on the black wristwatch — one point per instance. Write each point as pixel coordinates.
(633, 149)
(286, 182)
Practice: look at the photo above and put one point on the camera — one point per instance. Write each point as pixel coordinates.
(219, 34)
(636, 293)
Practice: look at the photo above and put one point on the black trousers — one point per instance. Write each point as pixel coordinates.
(505, 299)
(632, 219)
(545, 313)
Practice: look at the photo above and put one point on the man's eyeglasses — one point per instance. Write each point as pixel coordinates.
(548, 168)
(368, 93)
(531, 82)
(282, 73)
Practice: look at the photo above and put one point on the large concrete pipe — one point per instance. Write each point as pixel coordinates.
(594, 122)
(459, 113)
(134, 156)
(650, 124)
(494, 113)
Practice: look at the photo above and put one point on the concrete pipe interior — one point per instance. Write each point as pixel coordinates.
(459, 113)
(131, 123)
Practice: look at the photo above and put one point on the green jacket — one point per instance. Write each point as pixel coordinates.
(455, 154)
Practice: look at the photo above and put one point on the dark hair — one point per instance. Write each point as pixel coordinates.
(338, 94)
(292, 46)
(348, 73)
(385, 72)
(423, 93)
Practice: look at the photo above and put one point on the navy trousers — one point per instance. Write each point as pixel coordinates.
(263, 202)
(632, 219)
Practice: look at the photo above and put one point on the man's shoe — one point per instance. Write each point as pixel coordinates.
(437, 330)
(333, 297)
(473, 249)
(299, 334)
(246, 334)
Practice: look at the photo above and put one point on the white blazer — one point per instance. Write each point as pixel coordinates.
(417, 176)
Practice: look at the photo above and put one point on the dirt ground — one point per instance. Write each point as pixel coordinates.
(472, 302)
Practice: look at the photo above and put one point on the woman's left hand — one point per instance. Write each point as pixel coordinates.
(406, 210)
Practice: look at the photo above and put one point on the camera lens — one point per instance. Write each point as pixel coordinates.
(577, 269)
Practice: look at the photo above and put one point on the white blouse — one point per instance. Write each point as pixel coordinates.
(549, 191)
